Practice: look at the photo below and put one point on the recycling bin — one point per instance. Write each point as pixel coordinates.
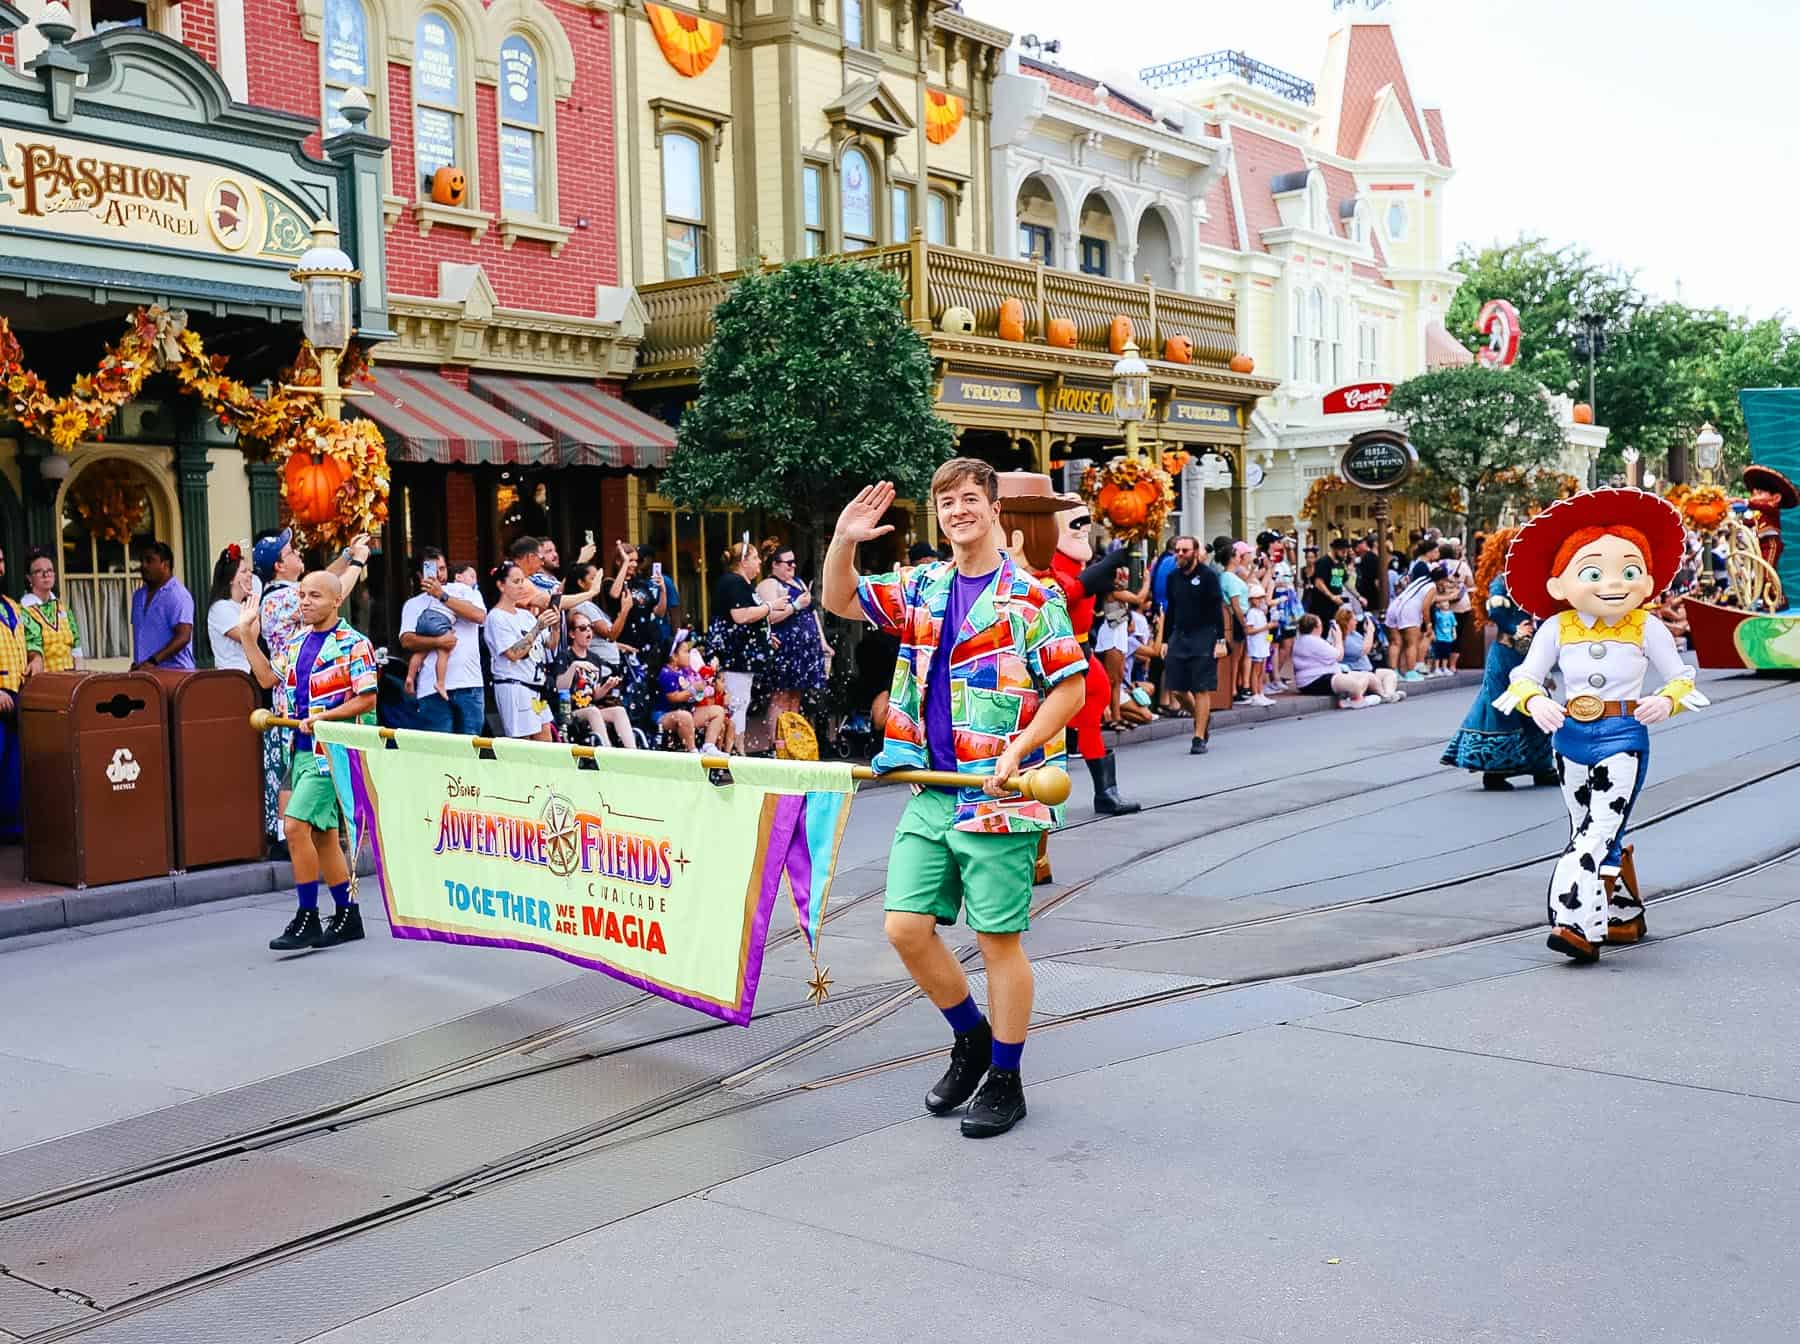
(96, 775)
(215, 763)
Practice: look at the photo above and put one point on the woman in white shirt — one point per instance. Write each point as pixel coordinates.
(231, 587)
(519, 642)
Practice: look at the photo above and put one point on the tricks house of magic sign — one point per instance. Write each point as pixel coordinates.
(1078, 401)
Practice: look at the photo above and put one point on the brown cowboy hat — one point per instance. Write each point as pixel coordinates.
(1759, 477)
(1031, 492)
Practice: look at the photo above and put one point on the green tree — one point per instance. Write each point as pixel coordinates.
(1763, 353)
(1483, 434)
(814, 386)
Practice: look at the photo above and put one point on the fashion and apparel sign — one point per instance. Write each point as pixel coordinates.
(642, 867)
(112, 194)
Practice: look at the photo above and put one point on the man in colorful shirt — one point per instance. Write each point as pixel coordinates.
(989, 675)
(329, 672)
(13, 658)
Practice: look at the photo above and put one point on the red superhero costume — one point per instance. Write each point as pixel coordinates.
(1065, 573)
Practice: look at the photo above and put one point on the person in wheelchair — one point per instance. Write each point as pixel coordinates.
(593, 687)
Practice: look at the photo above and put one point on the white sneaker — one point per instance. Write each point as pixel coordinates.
(1261, 700)
(1363, 703)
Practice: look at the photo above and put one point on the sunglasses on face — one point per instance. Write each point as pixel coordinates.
(785, 560)
(579, 629)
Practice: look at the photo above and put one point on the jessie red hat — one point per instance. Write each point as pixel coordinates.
(1533, 550)
(1759, 477)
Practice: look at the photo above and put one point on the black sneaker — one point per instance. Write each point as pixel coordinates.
(997, 1107)
(344, 926)
(302, 931)
(969, 1059)
(1197, 747)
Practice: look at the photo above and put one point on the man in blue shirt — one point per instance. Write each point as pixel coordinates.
(162, 613)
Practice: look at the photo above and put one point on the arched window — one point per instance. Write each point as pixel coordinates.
(1315, 326)
(1337, 341)
(684, 208)
(856, 200)
(524, 163)
(855, 34)
(109, 506)
(344, 49)
(440, 119)
(940, 216)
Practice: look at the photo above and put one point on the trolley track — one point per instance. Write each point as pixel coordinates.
(406, 1094)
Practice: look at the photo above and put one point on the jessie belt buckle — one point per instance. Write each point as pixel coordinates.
(1586, 708)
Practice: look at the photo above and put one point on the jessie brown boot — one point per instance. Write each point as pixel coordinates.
(1574, 944)
(1632, 929)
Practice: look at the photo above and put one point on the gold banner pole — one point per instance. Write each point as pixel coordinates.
(1046, 784)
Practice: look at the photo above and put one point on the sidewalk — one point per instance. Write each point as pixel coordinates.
(35, 907)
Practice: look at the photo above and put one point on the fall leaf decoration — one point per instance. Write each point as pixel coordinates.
(109, 500)
(158, 340)
(1132, 495)
(943, 115)
(1315, 503)
(1705, 506)
(1174, 461)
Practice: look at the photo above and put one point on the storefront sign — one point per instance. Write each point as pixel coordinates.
(1499, 322)
(1076, 399)
(1376, 463)
(991, 394)
(83, 189)
(1207, 414)
(643, 868)
(1358, 397)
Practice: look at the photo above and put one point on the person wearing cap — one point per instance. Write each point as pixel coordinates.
(1586, 567)
(1495, 745)
(279, 567)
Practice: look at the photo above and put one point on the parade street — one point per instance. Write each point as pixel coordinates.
(1301, 1069)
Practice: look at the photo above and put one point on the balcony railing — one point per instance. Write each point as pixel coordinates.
(680, 312)
(1227, 65)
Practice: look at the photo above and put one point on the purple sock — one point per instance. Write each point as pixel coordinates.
(308, 892)
(340, 895)
(964, 1017)
(1006, 1054)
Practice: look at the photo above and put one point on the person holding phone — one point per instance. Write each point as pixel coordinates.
(440, 632)
(519, 643)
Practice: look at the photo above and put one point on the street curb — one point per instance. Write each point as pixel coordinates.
(92, 905)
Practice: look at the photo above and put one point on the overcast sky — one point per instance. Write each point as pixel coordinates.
(1660, 134)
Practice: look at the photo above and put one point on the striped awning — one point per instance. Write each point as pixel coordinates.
(590, 426)
(431, 419)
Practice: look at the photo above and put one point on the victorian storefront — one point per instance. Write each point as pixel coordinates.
(130, 179)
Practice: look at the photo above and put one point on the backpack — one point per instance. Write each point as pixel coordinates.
(794, 738)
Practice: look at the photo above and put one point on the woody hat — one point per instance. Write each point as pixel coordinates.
(1533, 550)
(1031, 492)
(1759, 477)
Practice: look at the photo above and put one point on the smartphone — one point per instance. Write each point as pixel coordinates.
(431, 570)
(587, 537)
(656, 569)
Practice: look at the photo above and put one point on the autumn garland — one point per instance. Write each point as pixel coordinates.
(1131, 495)
(269, 428)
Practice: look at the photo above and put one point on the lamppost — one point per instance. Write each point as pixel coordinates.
(1131, 394)
(325, 274)
(1707, 446)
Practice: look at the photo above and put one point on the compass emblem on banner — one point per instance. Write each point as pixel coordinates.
(562, 835)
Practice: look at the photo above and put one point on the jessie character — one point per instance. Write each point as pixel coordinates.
(1586, 567)
(1770, 493)
(1052, 533)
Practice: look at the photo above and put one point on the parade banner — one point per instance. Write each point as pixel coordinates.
(634, 863)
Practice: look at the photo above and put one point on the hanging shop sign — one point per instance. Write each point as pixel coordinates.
(1377, 461)
(1358, 397)
(991, 394)
(1499, 322)
(1201, 414)
(61, 185)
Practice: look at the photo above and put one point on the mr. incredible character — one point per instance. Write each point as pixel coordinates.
(1586, 567)
(1052, 531)
(1770, 493)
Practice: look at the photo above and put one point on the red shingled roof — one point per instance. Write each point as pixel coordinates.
(1372, 64)
(1083, 90)
(1219, 228)
(1260, 159)
(1440, 143)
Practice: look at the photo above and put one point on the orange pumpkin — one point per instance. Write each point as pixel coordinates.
(1126, 508)
(449, 186)
(1178, 350)
(1062, 333)
(1122, 334)
(689, 43)
(312, 485)
(1583, 413)
(1012, 320)
(1242, 364)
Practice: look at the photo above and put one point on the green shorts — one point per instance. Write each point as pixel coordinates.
(936, 870)
(313, 800)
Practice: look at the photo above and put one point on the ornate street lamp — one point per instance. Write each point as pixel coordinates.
(1707, 446)
(1131, 394)
(325, 274)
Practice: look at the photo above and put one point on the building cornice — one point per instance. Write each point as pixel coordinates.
(445, 331)
(962, 25)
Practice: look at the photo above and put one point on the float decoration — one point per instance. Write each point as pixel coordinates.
(943, 115)
(272, 428)
(1705, 506)
(689, 43)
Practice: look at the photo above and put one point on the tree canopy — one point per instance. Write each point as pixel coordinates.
(1485, 437)
(814, 385)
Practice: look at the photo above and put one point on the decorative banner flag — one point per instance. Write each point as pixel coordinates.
(636, 864)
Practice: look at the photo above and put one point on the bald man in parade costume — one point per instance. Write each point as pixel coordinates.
(1586, 567)
(1051, 531)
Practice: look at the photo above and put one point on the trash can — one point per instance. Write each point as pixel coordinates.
(215, 763)
(96, 774)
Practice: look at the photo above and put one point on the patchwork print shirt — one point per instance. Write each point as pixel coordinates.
(1014, 646)
(345, 668)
